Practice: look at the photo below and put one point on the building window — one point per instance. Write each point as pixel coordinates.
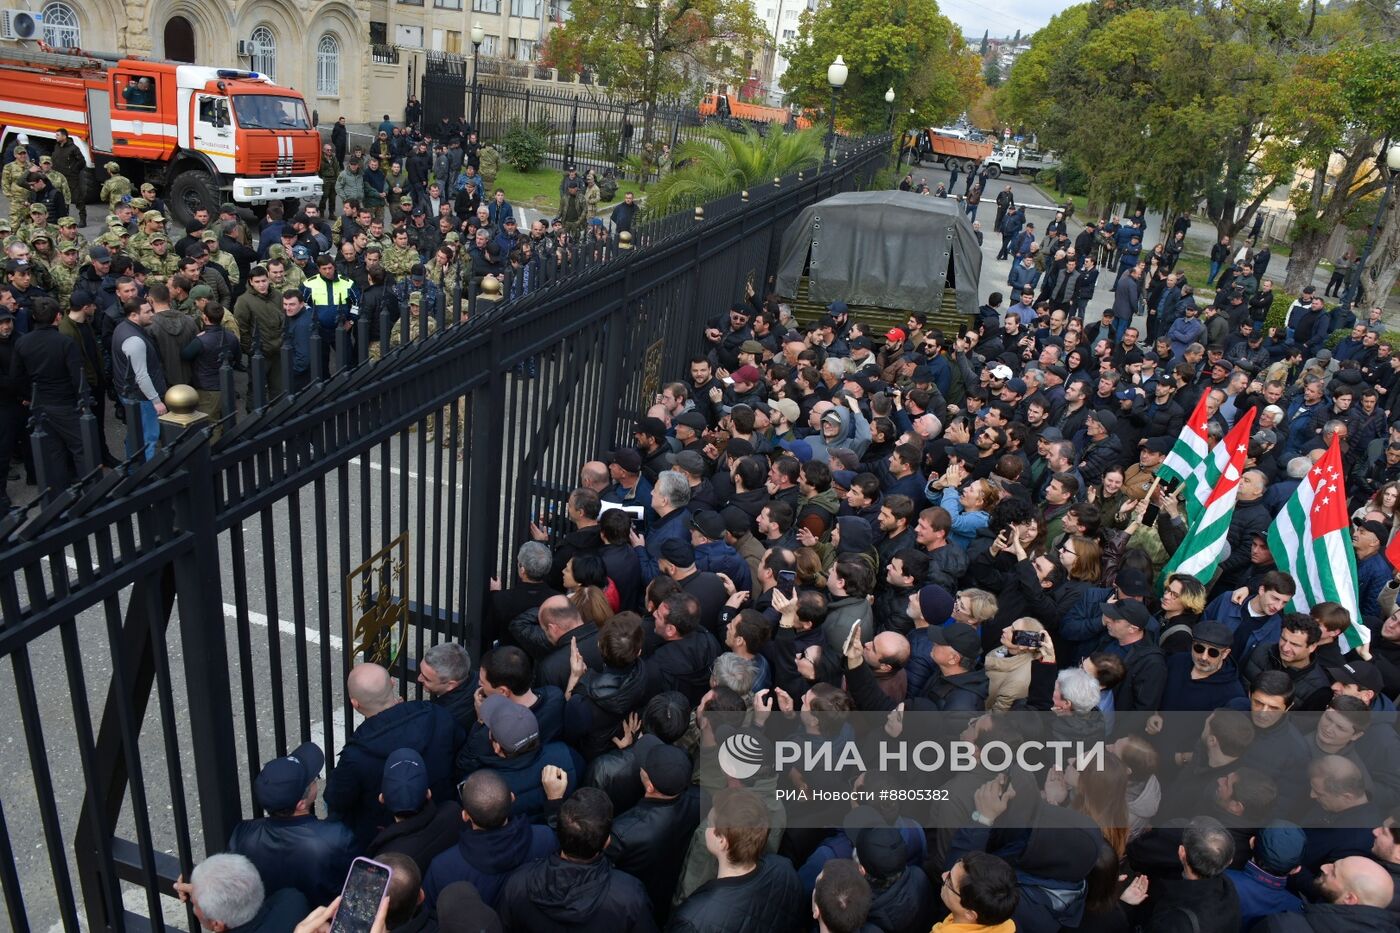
(489, 44)
(328, 66)
(60, 26)
(789, 34)
(486, 6)
(526, 9)
(448, 4)
(522, 50)
(453, 46)
(264, 59)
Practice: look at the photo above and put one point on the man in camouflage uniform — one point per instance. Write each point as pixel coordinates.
(41, 241)
(490, 164)
(159, 261)
(38, 223)
(116, 238)
(152, 222)
(116, 187)
(65, 272)
(7, 233)
(148, 194)
(221, 257)
(400, 209)
(377, 237)
(400, 258)
(14, 181)
(68, 233)
(281, 271)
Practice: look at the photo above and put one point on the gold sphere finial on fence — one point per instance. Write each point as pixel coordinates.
(181, 399)
(777, 182)
(744, 196)
(699, 213)
(490, 289)
(624, 240)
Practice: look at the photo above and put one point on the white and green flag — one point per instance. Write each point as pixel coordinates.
(1311, 542)
(1199, 555)
(1186, 462)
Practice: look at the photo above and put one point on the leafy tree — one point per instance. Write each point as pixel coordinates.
(725, 161)
(904, 44)
(986, 33)
(1341, 105)
(991, 73)
(652, 49)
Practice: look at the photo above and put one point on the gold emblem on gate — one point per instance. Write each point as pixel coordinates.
(377, 613)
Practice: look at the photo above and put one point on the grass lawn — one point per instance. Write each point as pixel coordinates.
(538, 189)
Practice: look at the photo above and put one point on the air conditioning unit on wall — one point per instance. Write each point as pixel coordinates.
(245, 48)
(20, 24)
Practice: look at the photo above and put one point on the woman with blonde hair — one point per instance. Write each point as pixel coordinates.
(1008, 665)
(1183, 601)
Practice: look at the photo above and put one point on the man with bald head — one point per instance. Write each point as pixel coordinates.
(352, 790)
(887, 655)
(594, 475)
(1355, 892)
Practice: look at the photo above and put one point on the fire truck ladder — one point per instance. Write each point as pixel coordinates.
(76, 60)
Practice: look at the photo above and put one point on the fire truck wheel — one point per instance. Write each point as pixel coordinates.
(190, 190)
(994, 171)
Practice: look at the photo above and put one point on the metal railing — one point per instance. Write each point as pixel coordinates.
(209, 599)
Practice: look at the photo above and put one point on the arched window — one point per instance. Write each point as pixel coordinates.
(264, 52)
(328, 66)
(60, 26)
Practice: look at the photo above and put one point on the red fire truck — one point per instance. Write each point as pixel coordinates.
(202, 135)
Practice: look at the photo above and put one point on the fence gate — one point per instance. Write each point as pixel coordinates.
(444, 88)
(165, 633)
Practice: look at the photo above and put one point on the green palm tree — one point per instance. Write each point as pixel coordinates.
(724, 161)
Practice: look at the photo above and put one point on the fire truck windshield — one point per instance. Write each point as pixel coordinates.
(266, 112)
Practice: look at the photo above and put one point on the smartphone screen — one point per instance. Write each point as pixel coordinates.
(359, 899)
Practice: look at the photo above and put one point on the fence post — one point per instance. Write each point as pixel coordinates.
(527, 103)
(573, 135)
(202, 628)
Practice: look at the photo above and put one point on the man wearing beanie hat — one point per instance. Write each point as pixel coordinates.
(519, 756)
(1373, 571)
(423, 827)
(1276, 852)
(1104, 451)
(902, 897)
(290, 846)
(650, 840)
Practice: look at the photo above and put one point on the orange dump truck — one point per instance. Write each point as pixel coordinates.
(936, 147)
(725, 108)
(203, 135)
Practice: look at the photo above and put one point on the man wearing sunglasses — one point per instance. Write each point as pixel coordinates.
(1200, 680)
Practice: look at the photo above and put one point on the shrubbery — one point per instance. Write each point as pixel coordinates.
(523, 147)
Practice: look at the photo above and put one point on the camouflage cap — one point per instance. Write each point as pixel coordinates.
(201, 291)
(415, 298)
(406, 201)
(110, 240)
(452, 237)
(139, 204)
(111, 219)
(46, 160)
(152, 215)
(37, 208)
(275, 251)
(67, 222)
(113, 166)
(147, 186)
(157, 237)
(5, 227)
(209, 236)
(38, 235)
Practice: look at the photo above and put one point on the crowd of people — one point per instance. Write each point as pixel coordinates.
(410, 230)
(819, 520)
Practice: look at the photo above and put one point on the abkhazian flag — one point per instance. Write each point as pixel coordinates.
(1186, 460)
(1199, 555)
(1310, 541)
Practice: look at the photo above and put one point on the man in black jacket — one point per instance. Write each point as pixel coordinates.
(423, 827)
(650, 840)
(352, 790)
(445, 673)
(578, 889)
(751, 890)
(48, 370)
(290, 846)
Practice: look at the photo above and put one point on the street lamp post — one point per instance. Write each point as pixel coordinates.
(900, 159)
(1392, 162)
(478, 36)
(836, 74)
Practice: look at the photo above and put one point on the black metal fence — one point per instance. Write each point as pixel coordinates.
(171, 626)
